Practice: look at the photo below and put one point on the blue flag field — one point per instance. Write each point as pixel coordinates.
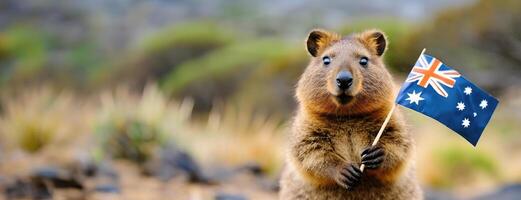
(442, 93)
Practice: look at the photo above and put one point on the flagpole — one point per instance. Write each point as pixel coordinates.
(380, 132)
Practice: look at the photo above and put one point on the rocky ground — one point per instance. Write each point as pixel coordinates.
(173, 177)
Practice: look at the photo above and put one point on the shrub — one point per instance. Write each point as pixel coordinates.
(37, 118)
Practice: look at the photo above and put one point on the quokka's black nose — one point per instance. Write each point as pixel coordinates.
(344, 80)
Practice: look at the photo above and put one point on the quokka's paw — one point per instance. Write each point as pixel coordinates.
(349, 176)
(372, 157)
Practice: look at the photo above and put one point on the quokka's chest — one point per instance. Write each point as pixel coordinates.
(349, 143)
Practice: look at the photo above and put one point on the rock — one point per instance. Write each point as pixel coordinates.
(223, 174)
(173, 161)
(105, 169)
(508, 192)
(224, 196)
(23, 189)
(59, 178)
(39, 183)
(95, 169)
(107, 188)
(89, 169)
(106, 179)
(251, 167)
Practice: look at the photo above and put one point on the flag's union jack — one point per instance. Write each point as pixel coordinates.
(429, 73)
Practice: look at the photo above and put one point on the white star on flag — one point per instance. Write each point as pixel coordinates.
(460, 106)
(465, 123)
(468, 90)
(475, 114)
(414, 97)
(483, 104)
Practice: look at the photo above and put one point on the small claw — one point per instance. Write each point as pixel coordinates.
(372, 166)
(355, 171)
(366, 150)
(350, 176)
(343, 184)
(348, 183)
(369, 149)
(374, 153)
(375, 161)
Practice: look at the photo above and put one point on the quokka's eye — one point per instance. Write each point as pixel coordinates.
(363, 61)
(326, 60)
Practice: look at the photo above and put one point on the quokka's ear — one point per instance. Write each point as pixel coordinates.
(375, 40)
(319, 39)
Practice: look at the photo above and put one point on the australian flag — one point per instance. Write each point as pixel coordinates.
(436, 90)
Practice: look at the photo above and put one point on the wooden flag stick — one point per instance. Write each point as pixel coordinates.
(380, 132)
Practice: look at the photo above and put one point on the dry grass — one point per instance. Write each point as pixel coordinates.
(230, 135)
(41, 127)
(32, 121)
(233, 135)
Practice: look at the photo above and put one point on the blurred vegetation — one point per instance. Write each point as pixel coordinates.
(463, 165)
(23, 55)
(211, 61)
(129, 139)
(130, 127)
(162, 52)
(482, 41)
(223, 72)
(33, 121)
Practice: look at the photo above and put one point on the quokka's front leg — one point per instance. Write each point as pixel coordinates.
(387, 159)
(315, 157)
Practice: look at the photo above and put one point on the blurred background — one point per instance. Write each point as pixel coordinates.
(181, 99)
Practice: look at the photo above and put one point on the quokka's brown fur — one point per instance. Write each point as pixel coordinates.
(329, 133)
